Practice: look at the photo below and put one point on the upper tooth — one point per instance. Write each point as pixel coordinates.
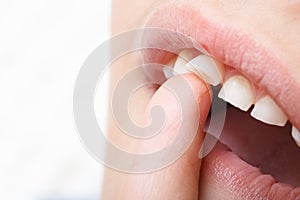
(210, 70)
(238, 92)
(267, 111)
(180, 64)
(168, 72)
(296, 135)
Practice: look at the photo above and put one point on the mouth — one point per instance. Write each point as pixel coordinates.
(257, 156)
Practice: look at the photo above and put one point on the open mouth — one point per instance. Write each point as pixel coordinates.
(258, 156)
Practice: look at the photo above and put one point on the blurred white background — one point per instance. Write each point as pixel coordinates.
(43, 44)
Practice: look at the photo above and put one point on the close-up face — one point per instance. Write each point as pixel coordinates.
(252, 51)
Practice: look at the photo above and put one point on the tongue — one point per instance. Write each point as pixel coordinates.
(269, 148)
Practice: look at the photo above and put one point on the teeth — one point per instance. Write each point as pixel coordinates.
(209, 69)
(180, 64)
(168, 72)
(238, 92)
(296, 135)
(267, 111)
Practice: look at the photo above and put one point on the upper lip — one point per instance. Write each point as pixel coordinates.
(234, 47)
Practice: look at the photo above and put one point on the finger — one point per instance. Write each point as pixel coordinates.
(180, 180)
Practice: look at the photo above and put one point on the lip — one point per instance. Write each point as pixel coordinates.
(239, 182)
(239, 49)
(232, 46)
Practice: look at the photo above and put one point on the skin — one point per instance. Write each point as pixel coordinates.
(275, 23)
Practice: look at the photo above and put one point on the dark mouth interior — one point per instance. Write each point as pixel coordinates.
(269, 148)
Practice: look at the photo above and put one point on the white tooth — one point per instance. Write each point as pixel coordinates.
(238, 92)
(168, 72)
(180, 64)
(267, 111)
(296, 135)
(209, 69)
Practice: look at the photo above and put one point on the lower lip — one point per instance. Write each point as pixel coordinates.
(225, 172)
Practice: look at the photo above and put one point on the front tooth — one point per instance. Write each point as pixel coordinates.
(296, 135)
(209, 69)
(238, 92)
(267, 111)
(168, 72)
(180, 64)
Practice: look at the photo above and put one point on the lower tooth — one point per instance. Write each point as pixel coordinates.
(237, 91)
(267, 111)
(296, 135)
